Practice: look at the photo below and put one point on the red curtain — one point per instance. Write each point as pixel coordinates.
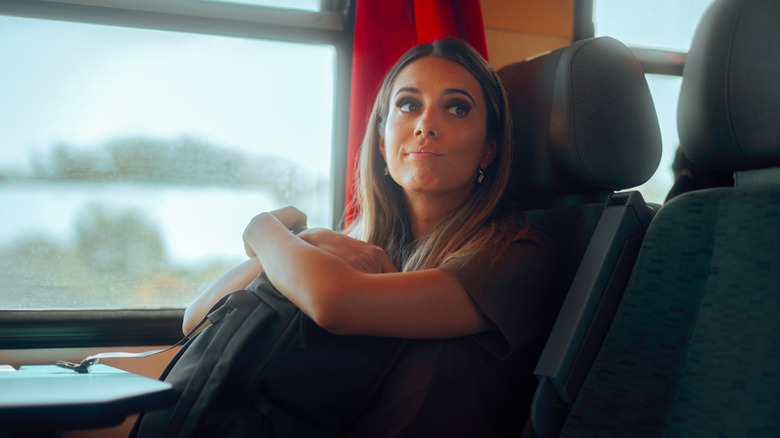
(384, 30)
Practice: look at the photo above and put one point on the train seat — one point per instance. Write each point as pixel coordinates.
(585, 127)
(694, 348)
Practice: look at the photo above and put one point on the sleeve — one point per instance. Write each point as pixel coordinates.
(514, 291)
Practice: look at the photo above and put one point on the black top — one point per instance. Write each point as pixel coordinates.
(478, 385)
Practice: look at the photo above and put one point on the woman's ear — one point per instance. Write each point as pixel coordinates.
(489, 155)
(382, 147)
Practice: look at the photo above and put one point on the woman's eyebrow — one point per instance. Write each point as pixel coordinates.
(407, 90)
(450, 91)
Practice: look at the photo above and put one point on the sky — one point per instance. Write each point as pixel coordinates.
(85, 84)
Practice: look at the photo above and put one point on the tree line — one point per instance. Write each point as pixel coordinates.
(186, 161)
(116, 259)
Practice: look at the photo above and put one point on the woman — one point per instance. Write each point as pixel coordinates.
(435, 254)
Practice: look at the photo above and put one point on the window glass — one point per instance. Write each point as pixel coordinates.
(305, 5)
(665, 91)
(131, 160)
(658, 24)
(664, 25)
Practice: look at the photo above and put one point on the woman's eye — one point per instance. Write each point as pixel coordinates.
(459, 108)
(409, 106)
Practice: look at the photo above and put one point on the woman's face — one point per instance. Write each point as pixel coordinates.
(435, 135)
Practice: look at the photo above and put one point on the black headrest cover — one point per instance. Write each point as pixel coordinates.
(584, 120)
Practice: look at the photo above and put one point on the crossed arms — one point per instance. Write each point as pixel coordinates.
(345, 285)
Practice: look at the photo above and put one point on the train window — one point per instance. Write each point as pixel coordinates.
(132, 158)
(663, 29)
(305, 5)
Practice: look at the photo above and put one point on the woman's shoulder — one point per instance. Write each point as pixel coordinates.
(528, 242)
(522, 257)
(512, 287)
(533, 238)
(513, 246)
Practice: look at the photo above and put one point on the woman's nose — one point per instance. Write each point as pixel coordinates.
(423, 132)
(427, 126)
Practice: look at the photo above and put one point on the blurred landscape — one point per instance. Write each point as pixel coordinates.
(114, 250)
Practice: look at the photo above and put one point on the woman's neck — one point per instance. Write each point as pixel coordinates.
(425, 211)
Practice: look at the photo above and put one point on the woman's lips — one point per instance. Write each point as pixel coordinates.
(422, 154)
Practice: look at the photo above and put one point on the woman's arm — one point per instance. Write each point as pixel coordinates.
(358, 254)
(233, 280)
(344, 300)
(237, 278)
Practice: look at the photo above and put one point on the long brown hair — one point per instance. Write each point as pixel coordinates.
(485, 218)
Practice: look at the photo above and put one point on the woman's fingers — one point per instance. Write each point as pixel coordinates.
(289, 216)
(360, 255)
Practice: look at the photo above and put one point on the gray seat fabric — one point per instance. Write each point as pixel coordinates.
(694, 349)
(585, 126)
(695, 346)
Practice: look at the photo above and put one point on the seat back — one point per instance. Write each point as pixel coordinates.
(585, 126)
(694, 349)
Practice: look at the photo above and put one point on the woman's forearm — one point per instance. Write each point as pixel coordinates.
(233, 280)
(302, 272)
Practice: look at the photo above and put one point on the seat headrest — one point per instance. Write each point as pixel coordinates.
(728, 115)
(584, 121)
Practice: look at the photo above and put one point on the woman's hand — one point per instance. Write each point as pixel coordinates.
(288, 216)
(362, 256)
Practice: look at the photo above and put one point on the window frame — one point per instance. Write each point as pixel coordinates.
(332, 25)
(24, 329)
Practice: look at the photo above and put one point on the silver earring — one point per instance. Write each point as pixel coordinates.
(481, 175)
(387, 172)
